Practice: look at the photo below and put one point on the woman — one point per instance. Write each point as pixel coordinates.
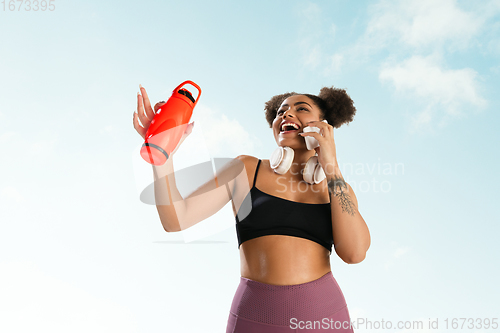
(286, 237)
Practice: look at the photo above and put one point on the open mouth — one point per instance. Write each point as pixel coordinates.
(289, 128)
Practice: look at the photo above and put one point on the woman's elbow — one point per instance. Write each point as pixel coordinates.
(353, 257)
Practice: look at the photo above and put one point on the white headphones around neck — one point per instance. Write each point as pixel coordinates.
(282, 158)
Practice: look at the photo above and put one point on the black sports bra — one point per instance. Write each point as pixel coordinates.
(265, 214)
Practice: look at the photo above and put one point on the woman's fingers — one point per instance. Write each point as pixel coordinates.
(145, 112)
(158, 106)
(315, 135)
(189, 129)
(140, 111)
(141, 130)
(147, 104)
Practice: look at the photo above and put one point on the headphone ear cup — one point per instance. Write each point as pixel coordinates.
(308, 173)
(319, 174)
(281, 160)
(313, 172)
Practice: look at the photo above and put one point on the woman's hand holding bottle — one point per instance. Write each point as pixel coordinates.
(145, 114)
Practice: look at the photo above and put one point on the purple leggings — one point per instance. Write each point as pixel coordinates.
(315, 306)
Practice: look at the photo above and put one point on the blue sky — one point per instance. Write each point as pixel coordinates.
(81, 252)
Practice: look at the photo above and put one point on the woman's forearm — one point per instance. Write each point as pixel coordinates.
(169, 201)
(350, 232)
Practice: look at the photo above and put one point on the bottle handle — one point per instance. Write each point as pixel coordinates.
(194, 85)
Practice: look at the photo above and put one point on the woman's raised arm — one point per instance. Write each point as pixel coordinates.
(177, 213)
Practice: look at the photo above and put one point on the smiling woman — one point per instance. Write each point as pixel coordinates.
(297, 207)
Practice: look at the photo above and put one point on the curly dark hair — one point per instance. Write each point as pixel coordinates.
(335, 104)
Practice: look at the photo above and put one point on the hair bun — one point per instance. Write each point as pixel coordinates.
(339, 107)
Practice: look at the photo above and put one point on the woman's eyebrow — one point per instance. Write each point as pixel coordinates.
(297, 104)
(301, 103)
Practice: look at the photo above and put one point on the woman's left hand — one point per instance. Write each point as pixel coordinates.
(327, 155)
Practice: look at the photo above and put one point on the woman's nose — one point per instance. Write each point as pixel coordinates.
(286, 113)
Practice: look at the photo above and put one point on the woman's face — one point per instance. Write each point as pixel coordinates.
(299, 110)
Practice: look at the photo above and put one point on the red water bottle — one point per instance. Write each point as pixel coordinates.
(168, 125)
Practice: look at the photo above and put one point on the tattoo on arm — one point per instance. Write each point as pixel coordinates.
(338, 187)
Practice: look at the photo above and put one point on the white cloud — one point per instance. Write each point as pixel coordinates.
(434, 86)
(424, 27)
(53, 305)
(400, 28)
(422, 23)
(424, 32)
(223, 136)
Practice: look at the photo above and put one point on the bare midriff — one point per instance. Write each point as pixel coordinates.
(283, 260)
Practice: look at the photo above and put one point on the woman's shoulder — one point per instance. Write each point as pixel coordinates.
(248, 160)
(250, 163)
(233, 167)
